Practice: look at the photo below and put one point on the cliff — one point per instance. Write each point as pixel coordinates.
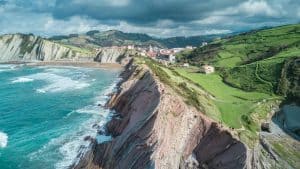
(113, 55)
(20, 47)
(155, 128)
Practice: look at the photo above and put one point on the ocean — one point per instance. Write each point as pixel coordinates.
(47, 112)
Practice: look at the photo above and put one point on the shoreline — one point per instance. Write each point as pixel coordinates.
(69, 63)
(84, 157)
(142, 134)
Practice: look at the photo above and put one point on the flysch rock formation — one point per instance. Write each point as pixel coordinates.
(19, 47)
(114, 55)
(155, 128)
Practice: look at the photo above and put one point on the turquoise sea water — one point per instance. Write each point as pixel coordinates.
(46, 112)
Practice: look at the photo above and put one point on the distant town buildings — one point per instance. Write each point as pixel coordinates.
(164, 55)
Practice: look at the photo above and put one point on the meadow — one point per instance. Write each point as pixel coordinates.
(232, 102)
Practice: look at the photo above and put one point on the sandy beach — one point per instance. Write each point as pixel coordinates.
(71, 63)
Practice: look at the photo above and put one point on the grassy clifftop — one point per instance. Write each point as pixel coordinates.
(253, 71)
(252, 61)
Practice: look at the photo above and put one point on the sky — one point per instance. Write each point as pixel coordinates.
(160, 18)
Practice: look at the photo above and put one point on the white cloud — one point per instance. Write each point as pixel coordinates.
(250, 14)
(250, 8)
(113, 3)
(44, 24)
(213, 20)
(169, 32)
(254, 7)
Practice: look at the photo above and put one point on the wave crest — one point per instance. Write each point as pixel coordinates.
(56, 83)
(22, 80)
(3, 140)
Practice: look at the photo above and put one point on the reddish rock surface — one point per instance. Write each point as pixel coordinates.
(156, 129)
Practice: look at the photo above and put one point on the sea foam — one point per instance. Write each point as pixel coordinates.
(56, 83)
(76, 146)
(3, 140)
(73, 143)
(22, 80)
(6, 68)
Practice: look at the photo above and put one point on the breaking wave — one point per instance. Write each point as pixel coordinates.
(22, 80)
(3, 140)
(66, 80)
(73, 144)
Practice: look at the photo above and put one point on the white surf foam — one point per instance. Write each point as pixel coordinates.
(60, 83)
(3, 140)
(22, 80)
(56, 83)
(72, 144)
(6, 68)
(77, 146)
(90, 109)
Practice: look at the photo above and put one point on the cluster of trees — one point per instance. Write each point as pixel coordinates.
(289, 84)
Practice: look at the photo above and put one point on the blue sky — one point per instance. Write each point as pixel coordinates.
(162, 18)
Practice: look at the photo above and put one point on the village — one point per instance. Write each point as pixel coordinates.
(165, 56)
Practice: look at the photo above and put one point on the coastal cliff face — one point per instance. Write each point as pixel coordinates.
(19, 47)
(155, 128)
(113, 55)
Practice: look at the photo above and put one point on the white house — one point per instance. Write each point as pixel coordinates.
(189, 47)
(172, 58)
(130, 47)
(208, 69)
(204, 44)
(186, 65)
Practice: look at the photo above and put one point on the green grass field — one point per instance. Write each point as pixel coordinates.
(252, 70)
(232, 102)
(233, 107)
(251, 61)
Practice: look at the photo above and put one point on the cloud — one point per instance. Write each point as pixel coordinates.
(250, 8)
(155, 17)
(214, 19)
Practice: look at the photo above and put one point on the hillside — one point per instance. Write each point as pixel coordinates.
(255, 72)
(118, 38)
(27, 47)
(253, 61)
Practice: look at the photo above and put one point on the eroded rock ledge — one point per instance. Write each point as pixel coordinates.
(154, 128)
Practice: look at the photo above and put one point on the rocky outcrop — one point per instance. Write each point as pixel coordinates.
(20, 47)
(155, 128)
(114, 55)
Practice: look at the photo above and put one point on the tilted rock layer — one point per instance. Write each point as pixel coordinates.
(155, 128)
(113, 54)
(19, 47)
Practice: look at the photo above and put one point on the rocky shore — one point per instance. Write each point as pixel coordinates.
(155, 128)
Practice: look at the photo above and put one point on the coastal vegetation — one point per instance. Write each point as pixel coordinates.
(251, 61)
(255, 71)
(233, 107)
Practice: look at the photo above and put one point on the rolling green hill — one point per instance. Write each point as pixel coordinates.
(118, 38)
(257, 60)
(255, 71)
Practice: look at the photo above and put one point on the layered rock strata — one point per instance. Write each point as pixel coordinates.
(19, 47)
(155, 128)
